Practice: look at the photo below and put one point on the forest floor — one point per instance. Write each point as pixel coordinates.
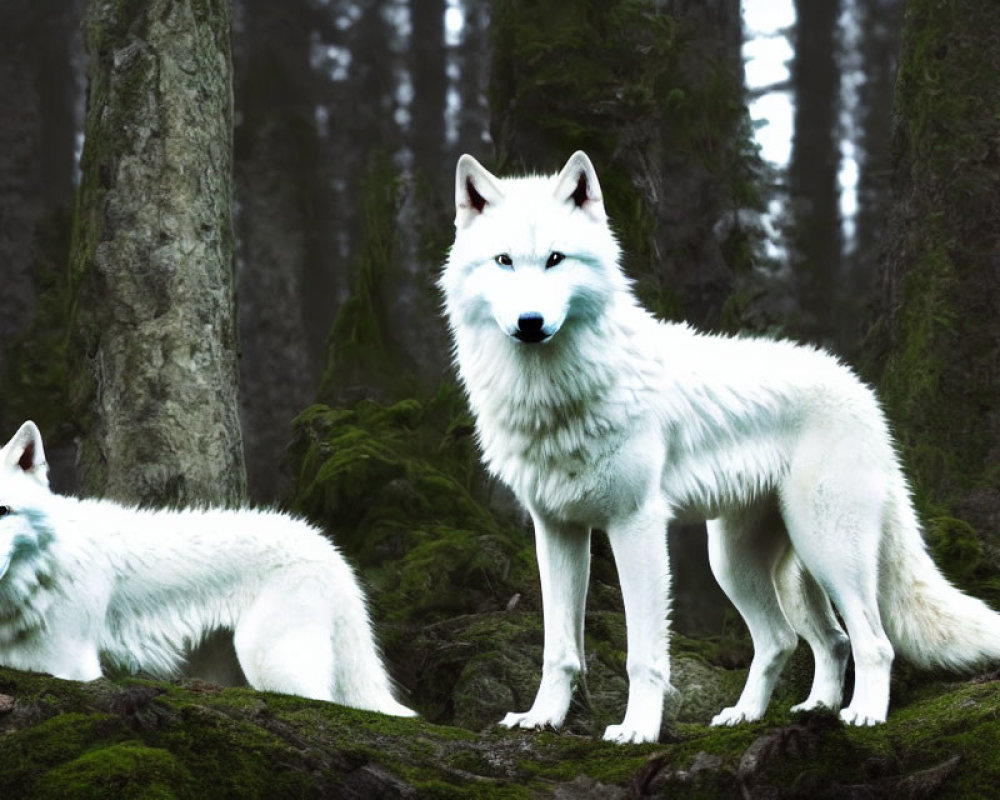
(131, 738)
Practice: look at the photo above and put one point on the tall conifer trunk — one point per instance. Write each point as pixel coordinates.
(937, 338)
(153, 357)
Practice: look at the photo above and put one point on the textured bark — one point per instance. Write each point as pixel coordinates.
(154, 378)
(937, 339)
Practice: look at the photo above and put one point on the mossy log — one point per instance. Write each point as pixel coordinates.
(132, 738)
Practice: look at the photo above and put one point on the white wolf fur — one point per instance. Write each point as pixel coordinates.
(599, 416)
(85, 578)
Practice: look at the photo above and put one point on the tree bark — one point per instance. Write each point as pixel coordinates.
(937, 337)
(153, 368)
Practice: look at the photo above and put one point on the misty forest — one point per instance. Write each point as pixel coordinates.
(221, 229)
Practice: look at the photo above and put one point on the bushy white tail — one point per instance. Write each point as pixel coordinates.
(929, 621)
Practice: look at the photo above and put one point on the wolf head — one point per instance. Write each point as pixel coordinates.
(24, 478)
(531, 255)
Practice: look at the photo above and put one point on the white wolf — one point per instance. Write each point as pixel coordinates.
(599, 416)
(84, 578)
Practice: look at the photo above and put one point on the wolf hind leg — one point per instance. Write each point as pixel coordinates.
(298, 639)
(563, 552)
(809, 611)
(283, 655)
(835, 524)
(743, 549)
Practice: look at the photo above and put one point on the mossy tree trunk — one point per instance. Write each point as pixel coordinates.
(153, 360)
(937, 338)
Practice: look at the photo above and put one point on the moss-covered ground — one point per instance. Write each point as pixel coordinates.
(137, 738)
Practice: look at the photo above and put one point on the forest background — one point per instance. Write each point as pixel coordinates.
(220, 227)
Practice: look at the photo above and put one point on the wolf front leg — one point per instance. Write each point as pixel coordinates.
(564, 569)
(640, 549)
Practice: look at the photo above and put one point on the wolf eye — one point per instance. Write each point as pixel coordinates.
(5, 510)
(504, 260)
(554, 258)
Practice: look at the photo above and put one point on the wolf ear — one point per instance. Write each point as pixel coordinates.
(25, 452)
(577, 184)
(475, 190)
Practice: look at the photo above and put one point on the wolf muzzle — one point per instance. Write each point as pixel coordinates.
(530, 328)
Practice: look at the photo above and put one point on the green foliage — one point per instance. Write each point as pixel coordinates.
(401, 499)
(359, 350)
(956, 548)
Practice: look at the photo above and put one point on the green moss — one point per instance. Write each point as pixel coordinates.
(360, 350)
(150, 739)
(956, 548)
(937, 340)
(405, 501)
(126, 770)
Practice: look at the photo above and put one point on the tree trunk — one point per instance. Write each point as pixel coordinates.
(427, 59)
(153, 368)
(937, 337)
(815, 235)
(281, 207)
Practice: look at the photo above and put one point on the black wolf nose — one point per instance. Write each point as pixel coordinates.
(529, 327)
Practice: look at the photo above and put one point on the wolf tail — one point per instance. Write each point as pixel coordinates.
(360, 678)
(928, 620)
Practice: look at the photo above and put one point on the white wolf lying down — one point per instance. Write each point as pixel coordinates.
(82, 578)
(599, 416)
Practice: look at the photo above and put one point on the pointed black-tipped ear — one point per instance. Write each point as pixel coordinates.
(577, 184)
(475, 190)
(25, 452)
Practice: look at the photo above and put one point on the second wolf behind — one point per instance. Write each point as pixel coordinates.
(599, 416)
(86, 579)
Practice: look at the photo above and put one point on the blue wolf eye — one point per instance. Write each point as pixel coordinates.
(554, 258)
(504, 260)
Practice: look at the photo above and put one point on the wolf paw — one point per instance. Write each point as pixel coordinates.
(627, 734)
(810, 705)
(733, 715)
(851, 716)
(527, 719)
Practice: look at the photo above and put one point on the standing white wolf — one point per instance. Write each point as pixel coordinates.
(84, 578)
(599, 416)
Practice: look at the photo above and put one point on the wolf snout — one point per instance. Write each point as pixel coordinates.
(531, 328)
